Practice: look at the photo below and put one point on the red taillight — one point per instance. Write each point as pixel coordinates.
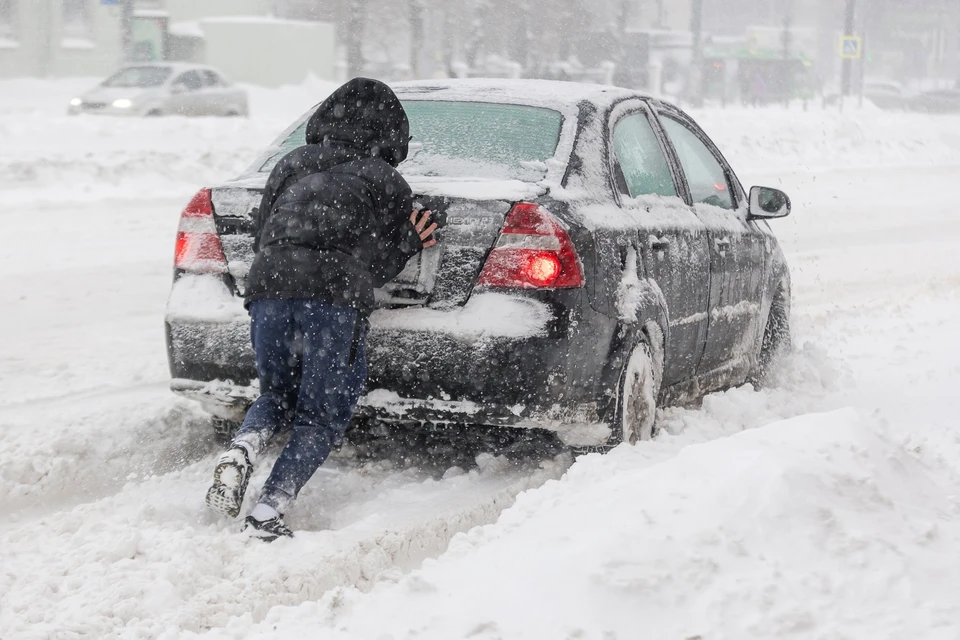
(198, 245)
(533, 251)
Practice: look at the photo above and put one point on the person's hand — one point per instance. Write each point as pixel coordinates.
(426, 233)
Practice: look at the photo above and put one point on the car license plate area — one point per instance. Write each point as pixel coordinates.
(414, 284)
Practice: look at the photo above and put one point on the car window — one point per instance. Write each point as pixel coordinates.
(131, 77)
(644, 166)
(210, 79)
(191, 80)
(705, 175)
(469, 140)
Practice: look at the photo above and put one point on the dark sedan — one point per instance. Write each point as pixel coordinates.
(599, 257)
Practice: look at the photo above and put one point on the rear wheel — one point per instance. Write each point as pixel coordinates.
(154, 113)
(636, 414)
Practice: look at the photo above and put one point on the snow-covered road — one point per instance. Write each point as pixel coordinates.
(829, 526)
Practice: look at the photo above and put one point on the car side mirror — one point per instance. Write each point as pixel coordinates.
(768, 203)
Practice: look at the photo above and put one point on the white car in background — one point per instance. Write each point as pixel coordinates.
(158, 89)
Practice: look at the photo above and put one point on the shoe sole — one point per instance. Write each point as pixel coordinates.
(223, 499)
(260, 534)
(269, 538)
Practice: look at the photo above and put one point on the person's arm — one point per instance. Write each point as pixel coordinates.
(283, 173)
(270, 193)
(407, 233)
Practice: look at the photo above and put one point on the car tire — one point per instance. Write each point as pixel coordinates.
(154, 113)
(224, 430)
(639, 388)
(777, 340)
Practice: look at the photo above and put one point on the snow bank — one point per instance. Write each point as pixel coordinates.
(814, 527)
(149, 561)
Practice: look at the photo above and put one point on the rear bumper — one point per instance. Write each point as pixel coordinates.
(575, 425)
(104, 111)
(499, 360)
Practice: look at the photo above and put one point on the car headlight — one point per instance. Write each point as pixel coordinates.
(122, 103)
(76, 102)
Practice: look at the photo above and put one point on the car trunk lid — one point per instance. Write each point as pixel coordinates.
(441, 276)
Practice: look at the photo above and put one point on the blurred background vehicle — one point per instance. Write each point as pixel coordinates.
(163, 89)
(937, 101)
(885, 94)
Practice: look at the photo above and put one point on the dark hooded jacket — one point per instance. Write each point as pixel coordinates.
(334, 221)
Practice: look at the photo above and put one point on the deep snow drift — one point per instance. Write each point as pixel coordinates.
(835, 515)
(813, 527)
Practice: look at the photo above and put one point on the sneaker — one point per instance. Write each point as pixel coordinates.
(230, 478)
(266, 530)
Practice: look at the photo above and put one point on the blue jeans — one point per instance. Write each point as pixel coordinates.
(311, 361)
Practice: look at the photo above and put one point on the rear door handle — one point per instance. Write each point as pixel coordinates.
(721, 244)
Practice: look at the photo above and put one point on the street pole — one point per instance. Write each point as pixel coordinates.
(863, 70)
(849, 16)
(46, 52)
(126, 30)
(696, 75)
(787, 41)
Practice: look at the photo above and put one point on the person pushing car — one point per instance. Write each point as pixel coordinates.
(336, 220)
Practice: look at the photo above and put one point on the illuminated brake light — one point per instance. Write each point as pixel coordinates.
(542, 269)
(198, 248)
(533, 251)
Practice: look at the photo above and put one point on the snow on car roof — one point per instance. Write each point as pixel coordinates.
(177, 67)
(545, 93)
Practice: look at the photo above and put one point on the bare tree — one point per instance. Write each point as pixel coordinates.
(478, 17)
(449, 36)
(417, 9)
(352, 21)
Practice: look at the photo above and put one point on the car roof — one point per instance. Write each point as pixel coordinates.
(176, 67)
(545, 93)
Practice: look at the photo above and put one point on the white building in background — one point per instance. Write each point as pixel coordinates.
(84, 38)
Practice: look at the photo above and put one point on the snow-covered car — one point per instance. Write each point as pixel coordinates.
(160, 89)
(599, 257)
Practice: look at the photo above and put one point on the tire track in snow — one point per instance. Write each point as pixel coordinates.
(58, 453)
(150, 558)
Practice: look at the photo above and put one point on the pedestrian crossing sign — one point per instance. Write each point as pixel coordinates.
(850, 47)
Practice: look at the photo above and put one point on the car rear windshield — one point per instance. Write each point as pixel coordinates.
(470, 140)
(138, 77)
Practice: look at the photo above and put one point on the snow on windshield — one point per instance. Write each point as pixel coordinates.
(138, 77)
(470, 140)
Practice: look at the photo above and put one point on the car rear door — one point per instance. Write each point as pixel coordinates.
(736, 248)
(210, 98)
(671, 239)
(187, 98)
(220, 98)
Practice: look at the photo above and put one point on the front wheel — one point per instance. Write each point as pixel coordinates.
(636, 415)
(777, 340)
